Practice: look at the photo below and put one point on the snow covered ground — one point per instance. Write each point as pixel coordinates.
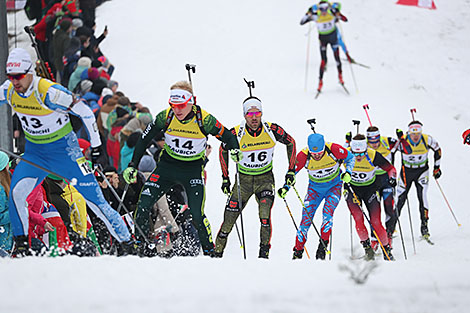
(418, 58)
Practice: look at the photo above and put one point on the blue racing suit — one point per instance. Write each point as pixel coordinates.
(51, 143)
(324, 183)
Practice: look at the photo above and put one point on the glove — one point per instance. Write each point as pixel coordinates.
(282, 192)
(130, 175)
(346, 177)
(466, 137)
(95, 155)
(290, 178)
(399, 133)
(348, 137)
(392, 181)
(436, 173)
(226, 185)
(236, 155)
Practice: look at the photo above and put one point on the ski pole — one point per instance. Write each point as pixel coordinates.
(399, 227)
(236, 225)
(350, 65)
(240, 208)
(331, 243)
(42, 67)
(72, 181)
(295, 224)
(250, 84)
(408, 203)
(413, 111)
(311, 220)
(113, 191)
(442, 192)
(356, 122)
(190, 68)
(351, 234)
(307, 59)
(121, 201)
(366, 108)
(367, 218)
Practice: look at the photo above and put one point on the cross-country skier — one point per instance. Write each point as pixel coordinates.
(257, 139)
(43, 108)
(186, 127)
(466, 137)
(416, 170)
(326, 15)
(322, 161)
(363, 188)
(387, 147)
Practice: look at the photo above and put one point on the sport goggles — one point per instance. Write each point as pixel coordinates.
(16, 76)
(253, 114)
(180, 105)
(359, 153)
(373, 139)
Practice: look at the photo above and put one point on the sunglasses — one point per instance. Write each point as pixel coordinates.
(179, 106)
(16, 76)
(359, 153)
(253, 114)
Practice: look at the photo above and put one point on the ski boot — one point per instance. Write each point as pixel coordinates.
(370, 255)
(388, 249)
(264, 251)
(374, 243)
(340, 78)
(321, 252)
(209, 252)
(297, 254)
(146, 249)
(21, 248)
(320, 85)
(128, 248)
(218, 255)
(424, 229)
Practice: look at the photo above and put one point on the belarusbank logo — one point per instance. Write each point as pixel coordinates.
(169, 130)
(244, 146)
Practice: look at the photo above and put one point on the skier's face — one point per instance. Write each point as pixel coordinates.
(415, 137)
(20, 81)
(181, 112)
(317, 156)
(253, 118)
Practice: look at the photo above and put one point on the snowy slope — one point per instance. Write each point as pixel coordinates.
(418, 60)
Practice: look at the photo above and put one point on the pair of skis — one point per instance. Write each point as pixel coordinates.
(342, 85)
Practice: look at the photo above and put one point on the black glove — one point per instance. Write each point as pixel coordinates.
(348, 137)
(399, 133)
(290, 178)
(392, 181)
(437, 172)
(95, 155)
(226, 185)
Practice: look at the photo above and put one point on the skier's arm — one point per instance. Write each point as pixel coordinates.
(283, 137)
(311, 15)
(382, 162)
(344, 154)
(434, 145)
(60, 99)
(152, 130)
(3, 92)
(301, 160)
(223, 157)
(214, 127)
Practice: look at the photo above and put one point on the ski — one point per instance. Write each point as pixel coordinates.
(344, 87)
(358, 64)
(426, 238)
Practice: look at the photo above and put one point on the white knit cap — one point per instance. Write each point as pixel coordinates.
(178, 96)
(359, 145)
(19, 61)
(252, 103)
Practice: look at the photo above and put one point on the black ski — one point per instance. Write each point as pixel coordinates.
(426, 238)
(358, 64)
(344, 87)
